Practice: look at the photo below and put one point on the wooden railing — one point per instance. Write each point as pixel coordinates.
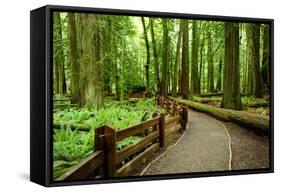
(174, 108)
(108, 162)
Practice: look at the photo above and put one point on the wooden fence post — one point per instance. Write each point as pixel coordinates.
(173, 108)
(157, 99)
(184, 118)
(109, 151)
(99, 138)
(162, 135)
(154, 128)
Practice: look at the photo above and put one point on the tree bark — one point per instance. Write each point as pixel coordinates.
(219, 76)
(91, 57)
(231, 81)
(255, 47)
(176, 66)
(194, 74)
(147, 53)
(249, 90)
(185, 60)
(210, 65)
(165, 59)
(266, 57)
(57, 53)
(59, 61)
(73, 59)
(201, 68)
(107, 47)
(156, 64)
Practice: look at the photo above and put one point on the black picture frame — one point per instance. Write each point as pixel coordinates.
(41, 93)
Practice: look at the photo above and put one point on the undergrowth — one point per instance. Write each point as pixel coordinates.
(70, 147)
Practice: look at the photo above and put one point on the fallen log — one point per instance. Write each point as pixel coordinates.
(261, 104)
(74, 127)
(206, 100)
(254, 105)
(60, 106)
(256, 121)
(62, 99)
(210, 94)
(213, 94)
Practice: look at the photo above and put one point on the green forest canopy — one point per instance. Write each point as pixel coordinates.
(95, 56)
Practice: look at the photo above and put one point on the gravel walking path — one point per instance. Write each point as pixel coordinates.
(204, 148)
(213, 145)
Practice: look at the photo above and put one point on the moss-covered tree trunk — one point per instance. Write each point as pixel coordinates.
(107, 54)
(147, 54)
(60, 57)
(219, 76)
(231, 81)
(81, 39)
(201, 65)
(266, 57)
(255, 47)
(249, 85)
(177, 60)
(210, 83)
(57, 53)
(185, 60)
(259, 122)
(91, 62)
(73, 59)
(155, 56)
(165, 59)
(194, 67)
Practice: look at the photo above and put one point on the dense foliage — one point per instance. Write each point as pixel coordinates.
(70, 147)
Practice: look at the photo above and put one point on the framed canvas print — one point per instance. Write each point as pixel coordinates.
(123, 95)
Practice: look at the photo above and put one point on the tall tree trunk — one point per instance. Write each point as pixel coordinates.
(122, 78)
(116, 70)
(63, 88)
(201, 66)
(255, 46)
(95, 78)
(249, 90)
(57, 53)
(81, 42)
(231, 81)
(177, 60)
(194, 74)
(210, 65)
(59, 61)
(91, 57)
(73, 59)
(156, 64)
(165, 59)
(107, 56)
(185, 60)
(245, 63)
(219, 75)
(266, 57)
(147, 54)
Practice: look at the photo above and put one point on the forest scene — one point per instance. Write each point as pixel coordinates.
(123, 71)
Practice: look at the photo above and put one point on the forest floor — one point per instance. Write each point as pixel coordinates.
(219, 146)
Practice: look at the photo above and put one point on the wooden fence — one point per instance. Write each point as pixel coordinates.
(108, 162)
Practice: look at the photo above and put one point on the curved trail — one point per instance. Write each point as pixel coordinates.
(206, 147)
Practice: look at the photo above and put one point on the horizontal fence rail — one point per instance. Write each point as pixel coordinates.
(108, 162)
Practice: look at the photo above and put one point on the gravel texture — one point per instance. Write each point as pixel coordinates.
(204, 148)
(250, 151)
